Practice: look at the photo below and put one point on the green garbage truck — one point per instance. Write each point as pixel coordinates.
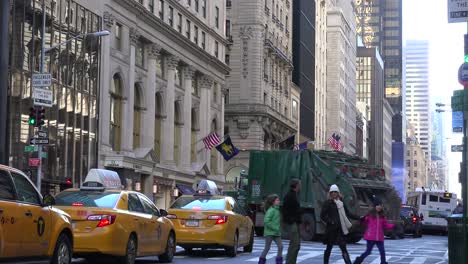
(271, 171)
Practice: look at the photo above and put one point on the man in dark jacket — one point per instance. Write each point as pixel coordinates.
(291, 212)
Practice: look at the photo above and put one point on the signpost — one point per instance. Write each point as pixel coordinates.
(457, 122)
(34, 162)
(457, 148)
(42, 134)
(39, 141)
(457, 11)
(43, 97)
(41, 80)
(30, 148)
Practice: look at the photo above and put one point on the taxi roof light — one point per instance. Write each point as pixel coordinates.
(207, 187)
(100, 180)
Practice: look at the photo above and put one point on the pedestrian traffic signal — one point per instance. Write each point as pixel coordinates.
(40, 117)
(32, 116)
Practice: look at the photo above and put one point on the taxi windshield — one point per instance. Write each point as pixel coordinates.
(199, 203)
(87, 199)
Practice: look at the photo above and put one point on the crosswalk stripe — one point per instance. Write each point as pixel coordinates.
(418, 260)
(312, 254)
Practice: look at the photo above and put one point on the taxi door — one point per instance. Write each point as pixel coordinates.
(154, 228)
(141, 221)
(35, 219)
(10, 228)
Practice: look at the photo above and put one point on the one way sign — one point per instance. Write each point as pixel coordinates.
(39, 141)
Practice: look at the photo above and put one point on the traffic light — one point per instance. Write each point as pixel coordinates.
(32, 116)
(40, 117)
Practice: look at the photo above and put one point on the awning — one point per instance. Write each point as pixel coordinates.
(185, 189)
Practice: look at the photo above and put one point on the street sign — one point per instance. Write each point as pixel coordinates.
(41, 80)
(42, 134)
(39, 141)
(457, 148)
(34, 162)
(43, 97)
(457, 11)
(30, 148)
(457, 122)
(44, 155)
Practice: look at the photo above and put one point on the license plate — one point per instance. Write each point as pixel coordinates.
(191, 223)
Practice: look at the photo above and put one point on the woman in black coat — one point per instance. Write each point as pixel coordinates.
(335, 215)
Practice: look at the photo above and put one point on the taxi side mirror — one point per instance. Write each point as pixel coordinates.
(48, 200)
(162, 212)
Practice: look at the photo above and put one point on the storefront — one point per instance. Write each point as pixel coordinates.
(71, 122)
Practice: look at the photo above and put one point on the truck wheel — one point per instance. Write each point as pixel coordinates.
(259, 231)
(307, 228)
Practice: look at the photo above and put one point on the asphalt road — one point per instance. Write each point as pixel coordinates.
(429, 249)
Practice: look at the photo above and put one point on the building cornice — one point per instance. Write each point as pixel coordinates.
(143, 14)
(233, 110)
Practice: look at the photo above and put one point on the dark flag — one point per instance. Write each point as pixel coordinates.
(288, 143)
(227, 149)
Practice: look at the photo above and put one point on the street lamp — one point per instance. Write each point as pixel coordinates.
(92, 34)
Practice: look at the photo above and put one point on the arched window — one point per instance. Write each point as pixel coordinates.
(116, 113)
(157, 125)
(213, 154)
(137, 109)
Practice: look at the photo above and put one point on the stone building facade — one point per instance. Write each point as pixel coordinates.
(417, 167)
(320, 74)
(341, 73)
(263, 104)
(163, 80)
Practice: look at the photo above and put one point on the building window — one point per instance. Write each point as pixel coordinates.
(118, 36)
(294, 109)
(227, 59)
(228, 28)
(195, 85)
(151, 6)
(203, 40)
(415, 163)
(161, 9)
(195, 32)
(204, 8)
(415, 174)
(137, 110)
(287, 22)
(171, 16)
(140, 54)
(160, 69)
(116, 113)
(408, 163)
(265, 98)
(216, 51)
(217, 17)
(196, 5)
(187, 30)
(179, 26)
(178, 75)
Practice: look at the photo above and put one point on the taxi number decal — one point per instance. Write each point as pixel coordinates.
(7, 220)
(40, 226)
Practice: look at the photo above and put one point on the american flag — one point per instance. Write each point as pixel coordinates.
(334, 141)
(211, 140)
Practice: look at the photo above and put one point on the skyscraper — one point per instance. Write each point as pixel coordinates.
(418, 111)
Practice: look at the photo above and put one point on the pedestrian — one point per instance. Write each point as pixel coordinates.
(292, 217)
(376, 223)
(272, 228)
(335, 215)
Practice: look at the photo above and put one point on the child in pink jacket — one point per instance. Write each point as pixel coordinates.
(376, 223)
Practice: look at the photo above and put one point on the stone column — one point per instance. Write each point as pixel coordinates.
(127, 113)
(149, 97)
(185, 139)
(205, 117)
(167, 136)
(106, 81)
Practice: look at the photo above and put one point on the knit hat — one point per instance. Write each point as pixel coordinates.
(376, 201)
(334, 188)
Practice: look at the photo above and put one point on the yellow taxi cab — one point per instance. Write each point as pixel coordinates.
(29, 227)
(209, 220)
(108, 220)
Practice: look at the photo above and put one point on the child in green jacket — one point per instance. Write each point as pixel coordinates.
(272, 228)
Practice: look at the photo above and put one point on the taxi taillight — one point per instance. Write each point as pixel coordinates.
(171, 216)
(220, 219)
(414, 219)
(104, 220)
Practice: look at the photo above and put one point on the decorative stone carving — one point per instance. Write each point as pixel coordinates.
(154, 51)
(245, 34)
(188, 72)
(108, 19)
(205, 81)
(243, 125)
(134, 36)
(172, 62)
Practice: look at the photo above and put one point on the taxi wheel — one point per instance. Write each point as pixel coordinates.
(249, 247)
(63, 251)
(130, 254)
(170, 249)
(232, 251)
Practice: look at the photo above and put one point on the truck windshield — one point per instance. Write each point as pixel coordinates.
(87, 199)
(199, 203)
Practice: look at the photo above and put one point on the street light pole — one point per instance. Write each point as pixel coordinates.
(4, 49)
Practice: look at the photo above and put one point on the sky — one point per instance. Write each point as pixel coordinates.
(427, 20)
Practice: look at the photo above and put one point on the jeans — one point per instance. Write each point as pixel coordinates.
(294, 243)
(279, 244)
(370, 245)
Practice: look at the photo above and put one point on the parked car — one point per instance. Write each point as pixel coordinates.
(411, 221)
